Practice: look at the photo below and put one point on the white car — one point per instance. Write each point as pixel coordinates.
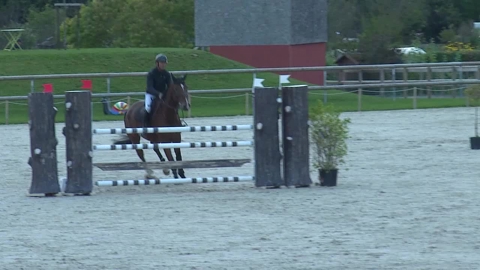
(410, 50)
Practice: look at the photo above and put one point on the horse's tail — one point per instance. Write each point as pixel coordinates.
(123, 140)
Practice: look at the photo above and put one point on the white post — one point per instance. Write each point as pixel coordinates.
(108, 85)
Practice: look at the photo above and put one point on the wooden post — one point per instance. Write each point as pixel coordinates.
(247, 107)
(78, 133)
(429, 78)
(43, 144)
(267, 141)
(454, 78)
(394, 78)
(415, 97)
(442, 87)
(360, 81)
(296, 155)
(7, 116)
(382, 80)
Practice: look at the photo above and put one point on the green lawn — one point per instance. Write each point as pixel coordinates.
(141, 60)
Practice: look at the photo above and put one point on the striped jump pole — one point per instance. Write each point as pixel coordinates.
(171, 145)
(171, 129)
(198, 180)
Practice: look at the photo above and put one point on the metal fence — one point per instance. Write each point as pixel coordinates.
(456, 71)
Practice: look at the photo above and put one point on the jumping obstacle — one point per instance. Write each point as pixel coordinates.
(171, 129)
(216, 163)
(171, 145)
(268, 159)
(175, 181)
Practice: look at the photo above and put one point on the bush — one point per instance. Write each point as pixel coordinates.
(458, 56)
(329, 134)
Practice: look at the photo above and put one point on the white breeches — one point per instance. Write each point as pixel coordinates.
(148, 101)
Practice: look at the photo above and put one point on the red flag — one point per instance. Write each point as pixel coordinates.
(48, 88)
(87, 84)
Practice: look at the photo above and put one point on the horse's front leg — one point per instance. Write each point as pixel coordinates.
(178, 156)
(157, 151)
(169, 155)
(148, 172)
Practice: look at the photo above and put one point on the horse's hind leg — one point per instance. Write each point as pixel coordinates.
(178, 156)
(157, 151)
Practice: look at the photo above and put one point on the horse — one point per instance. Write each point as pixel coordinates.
(164, 114)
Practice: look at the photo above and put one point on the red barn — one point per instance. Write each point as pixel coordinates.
(289, 33)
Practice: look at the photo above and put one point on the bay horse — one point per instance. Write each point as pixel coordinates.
(164, 114)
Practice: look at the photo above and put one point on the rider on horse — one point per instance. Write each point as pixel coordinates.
(158, 80)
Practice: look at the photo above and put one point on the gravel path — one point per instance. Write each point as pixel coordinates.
(409, 200)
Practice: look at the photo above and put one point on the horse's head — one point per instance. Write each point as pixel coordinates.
(178, 91)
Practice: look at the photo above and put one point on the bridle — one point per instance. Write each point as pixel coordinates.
(175, 108)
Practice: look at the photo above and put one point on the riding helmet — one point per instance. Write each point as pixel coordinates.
(161, 58)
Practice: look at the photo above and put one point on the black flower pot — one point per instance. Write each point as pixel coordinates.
(475, 143)
(328, 178)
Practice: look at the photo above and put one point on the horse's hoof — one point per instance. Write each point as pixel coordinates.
(149, 176)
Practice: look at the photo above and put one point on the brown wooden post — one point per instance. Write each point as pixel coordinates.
(267, 141)
(360, 90)
(43, 144)
(78, 133)
(296, 155)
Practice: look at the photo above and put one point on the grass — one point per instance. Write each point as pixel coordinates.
(141, 60)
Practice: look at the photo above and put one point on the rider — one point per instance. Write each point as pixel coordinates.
(158, 80)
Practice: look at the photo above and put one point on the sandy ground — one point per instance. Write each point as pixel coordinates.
(408, 198)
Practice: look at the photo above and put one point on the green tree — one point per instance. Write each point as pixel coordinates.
(135, 23)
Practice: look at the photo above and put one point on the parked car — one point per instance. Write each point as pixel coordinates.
(409, 50)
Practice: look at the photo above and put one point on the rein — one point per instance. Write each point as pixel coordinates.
(182, 119)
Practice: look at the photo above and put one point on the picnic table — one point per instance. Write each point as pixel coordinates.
(12, 36)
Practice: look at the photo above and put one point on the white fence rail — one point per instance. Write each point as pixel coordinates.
(455, 70)
(416, 67)
(428, 68)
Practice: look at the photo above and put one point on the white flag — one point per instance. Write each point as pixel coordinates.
(284, 79)
(257, 82)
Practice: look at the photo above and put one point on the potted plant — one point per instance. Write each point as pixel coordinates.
(473, 94)
(329, 134)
